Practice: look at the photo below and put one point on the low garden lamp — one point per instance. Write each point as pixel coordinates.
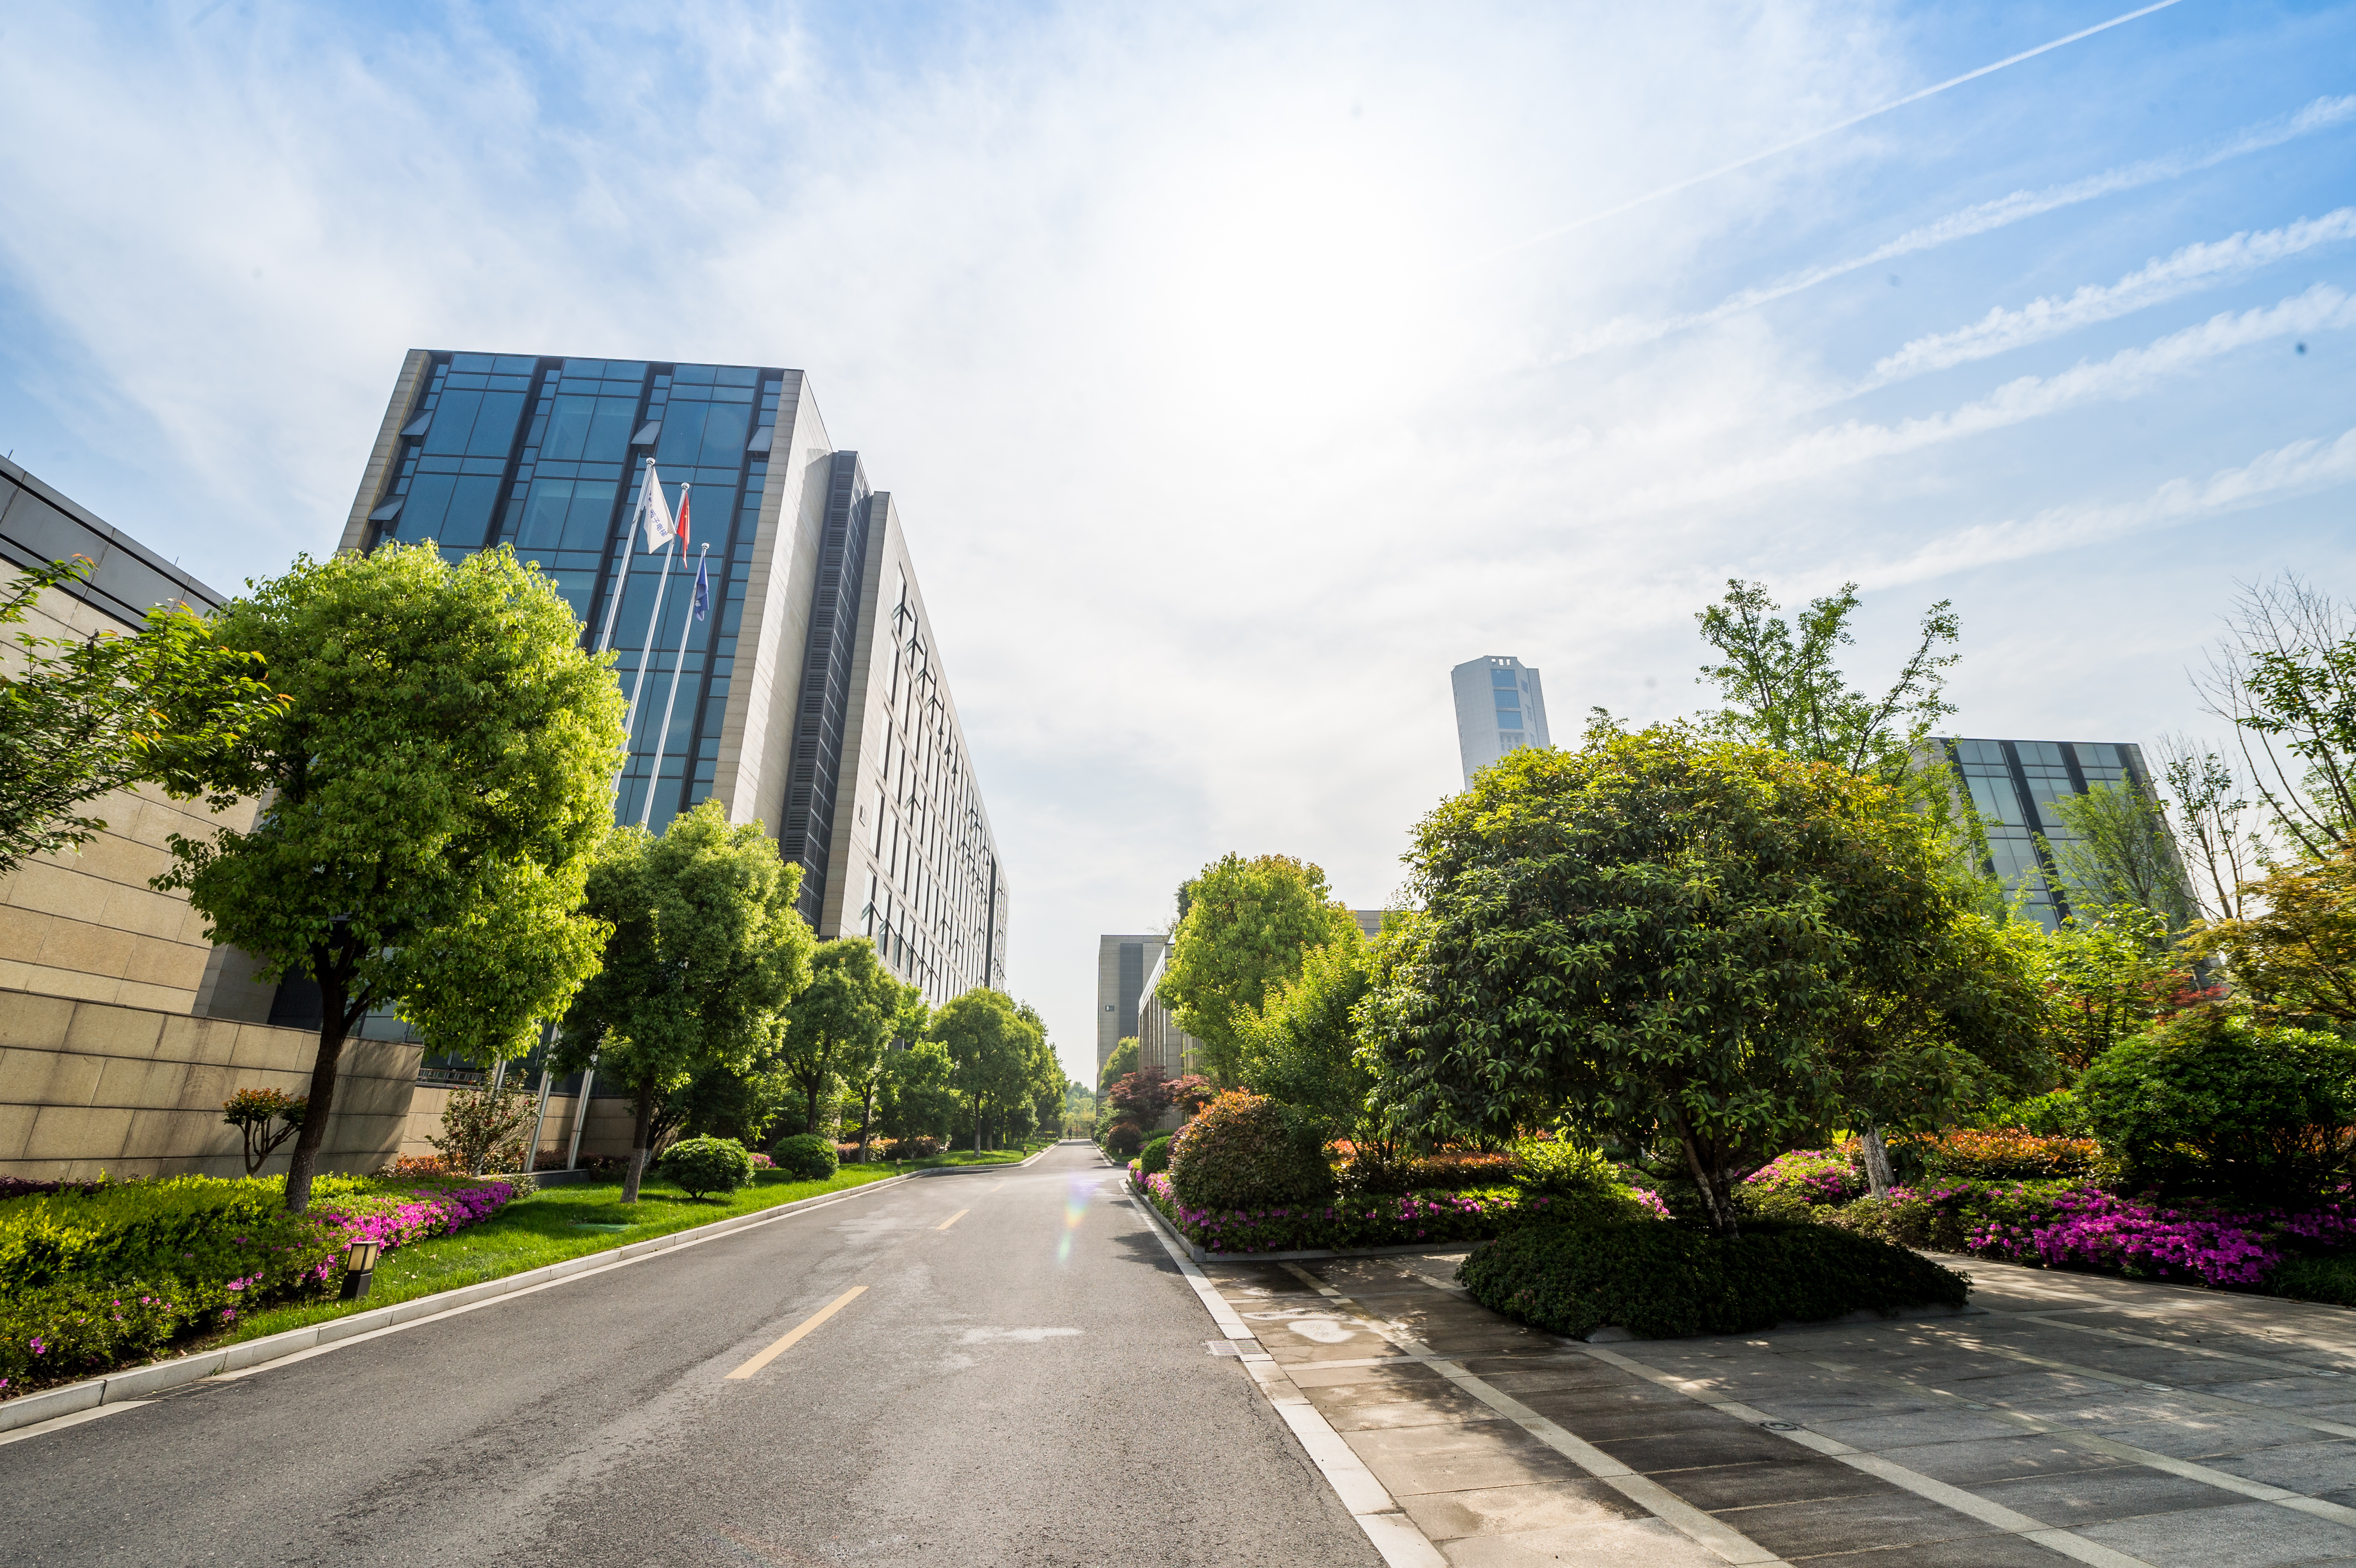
(360, 1269)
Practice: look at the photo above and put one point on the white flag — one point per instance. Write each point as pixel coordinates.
(654, 513)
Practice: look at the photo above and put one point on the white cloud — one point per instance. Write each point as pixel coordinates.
(2196, 266)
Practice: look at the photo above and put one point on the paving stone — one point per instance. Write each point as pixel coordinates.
(1607, 1426)
(1692, 1450)
(1884, 1520)
(1525, 1376)
(1978, 1461)
(2204, 1435)
(1805, 1479)
(2236, 1535)
(1875, 1433)
(2312, 1467)
(1414, 1460)
(1627, 1544)
(1603, 1398)
(1508, 1510)
(1359, 1406)
(2122, 1492)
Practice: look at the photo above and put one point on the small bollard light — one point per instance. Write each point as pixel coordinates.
(359, 1268)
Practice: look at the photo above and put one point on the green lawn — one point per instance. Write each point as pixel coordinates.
(549, 1227)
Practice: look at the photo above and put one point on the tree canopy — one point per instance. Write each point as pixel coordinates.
(1247, 925)
(1664, 938)
(436, 780)
(992, 1049)
(81, 716)
(838, 1028)
(1299, 1045)
(705, 954)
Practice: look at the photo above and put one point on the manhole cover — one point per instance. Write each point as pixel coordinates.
(1781, 1425)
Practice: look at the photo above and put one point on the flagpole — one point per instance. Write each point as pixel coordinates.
(647, 808)
(621, 578)
(646, 655)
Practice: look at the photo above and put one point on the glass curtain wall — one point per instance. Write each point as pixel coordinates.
(548, 455)
(2013, 785)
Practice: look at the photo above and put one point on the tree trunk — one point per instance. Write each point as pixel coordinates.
(866, 1119)
(641, 1133)
(335, 1028)
(976, 1124)
(1878, 1178)
(1713, 1194)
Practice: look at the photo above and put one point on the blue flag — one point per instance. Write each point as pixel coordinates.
(702, 590)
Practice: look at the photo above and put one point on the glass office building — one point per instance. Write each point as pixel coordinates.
(2011, 785)
(813, 698)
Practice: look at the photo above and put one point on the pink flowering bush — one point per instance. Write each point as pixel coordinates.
(2091, 1229)
(97, 1280)
(1813, 1175)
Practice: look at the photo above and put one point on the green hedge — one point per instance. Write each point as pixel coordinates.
(1659, 1280)
(806, 1156)
(1248, 1152)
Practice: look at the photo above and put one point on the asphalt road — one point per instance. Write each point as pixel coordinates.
(1029, 1385)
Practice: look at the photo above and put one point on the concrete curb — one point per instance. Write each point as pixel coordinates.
(142, 1382)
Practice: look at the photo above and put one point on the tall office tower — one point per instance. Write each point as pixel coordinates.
(2011, 785)
(813, 699)
(1499, 706)
(1122, 963)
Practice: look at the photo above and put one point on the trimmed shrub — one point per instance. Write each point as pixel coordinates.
(1660, 1281)
(1122, 1140)
(917, 1146)
(1154, 1158)
(2009, 1153)
(1809, 1176)
(2332, 1280)
(2208, 1102)
(707, 1165)
(806, 1156)
(1247, 1151)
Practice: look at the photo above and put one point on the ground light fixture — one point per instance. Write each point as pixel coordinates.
(360, 1269)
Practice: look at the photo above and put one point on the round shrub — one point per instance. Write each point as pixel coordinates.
(1245, 1151)
(1660, 1281)
(1122, 1140)
(707, 1165)
(1154, 1156)
(2209, 1101)
(806, 1156)
(918, 1146)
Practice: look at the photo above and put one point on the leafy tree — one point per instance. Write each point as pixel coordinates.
(1299, 1046)
(720, 1103)
(80, 716)
(2216, 821)
(1247, 925)
(2120, 854)
(990, 1045)
(2105, 974)
(918, 1095)
(1139, 1097)
(2296, 954)
(705, 952)
(1660, 938)
(837, 1027)
(1122, 1061)
(2285, 677)
(1046, 1071)
(1783, 689)
(251, 1111)
(436, 785)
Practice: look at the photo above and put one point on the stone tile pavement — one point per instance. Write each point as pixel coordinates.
(2101, 1420)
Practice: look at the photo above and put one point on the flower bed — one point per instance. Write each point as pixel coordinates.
(98, 1277)
(1346, 1225)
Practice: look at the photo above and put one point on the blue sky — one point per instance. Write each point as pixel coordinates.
(1239, 369)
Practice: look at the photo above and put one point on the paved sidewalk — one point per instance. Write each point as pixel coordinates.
(2074, 1418)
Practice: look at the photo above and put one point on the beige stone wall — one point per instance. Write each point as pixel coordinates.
(91, 1086)
(608, 1132)
(84, 923)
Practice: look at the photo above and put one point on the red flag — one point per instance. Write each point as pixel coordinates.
(682, 514)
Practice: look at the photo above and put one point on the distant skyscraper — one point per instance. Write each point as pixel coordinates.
(1499, 707)
(1121, 966)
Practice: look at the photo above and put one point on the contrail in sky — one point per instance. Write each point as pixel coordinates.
(1562, 229)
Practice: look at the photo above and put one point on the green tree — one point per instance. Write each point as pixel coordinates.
(989, 1042)
(918, 1095)
(2285, 678)
(80, 716)
(2295, 954)
(705, 953)
(837, 1030)
(1783, 689)
(2118, 853)
(1299, 1046)
(1247, 925)
(2105, 974)
(1045, 1070)
(1661, 938)
(436, 785)
(1121, 1063)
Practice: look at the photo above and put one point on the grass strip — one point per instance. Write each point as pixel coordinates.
(547, 1227)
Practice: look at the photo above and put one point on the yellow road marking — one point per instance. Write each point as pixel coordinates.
(804, 1327)
(953, 1219)
(993, 1190)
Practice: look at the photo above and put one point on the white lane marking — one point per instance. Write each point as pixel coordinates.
(1398, 1540)
(795, 1335)
(59, 1422)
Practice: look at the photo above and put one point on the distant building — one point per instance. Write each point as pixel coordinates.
(1121, 966)
(1370, 921)
(1500, 707)
(2011, 785)
(1161, 1043)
